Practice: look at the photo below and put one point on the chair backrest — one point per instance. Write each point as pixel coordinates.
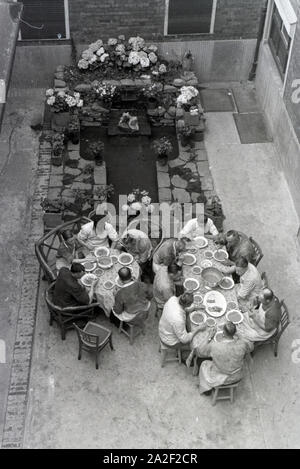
(46, 247)
(88, 339)
(284, 319)
(258, 252)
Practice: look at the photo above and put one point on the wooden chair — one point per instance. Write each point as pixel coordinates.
(135, 327)
(66, 317)
(274, 340)
(47, 246)
(166, 352)
(258, 252)
(228, 395)
(93, 338)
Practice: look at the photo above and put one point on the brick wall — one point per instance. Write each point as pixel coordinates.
(92, 19)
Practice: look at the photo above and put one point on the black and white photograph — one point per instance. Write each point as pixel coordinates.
(149, 227)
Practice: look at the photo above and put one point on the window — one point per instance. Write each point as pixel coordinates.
(279, 41)
(190, 16)
(44, 19)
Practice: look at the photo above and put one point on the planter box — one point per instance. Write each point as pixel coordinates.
(60, 121)
(52, 220)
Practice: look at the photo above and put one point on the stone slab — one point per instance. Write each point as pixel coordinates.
(176, 162)
(178, 182)
(181, 196)
(164, 195)
(162, 169)
(100, 174)
(163, 180)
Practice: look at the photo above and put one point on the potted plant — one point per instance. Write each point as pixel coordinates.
(186, 134)
(162, 148)
(152, 93)
(60, 103)
(187, 61)
(53, 211)
(95, 152)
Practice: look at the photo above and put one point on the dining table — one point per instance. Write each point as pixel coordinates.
(106, 296)
(202, 338)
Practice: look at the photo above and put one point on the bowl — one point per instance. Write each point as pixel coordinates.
(221, 255)
(234, 316)
(189, 259)
(125, 259)
(201, 242)
(210, 322)
(101, 251)
(215, 303)
(191, 284)
(89, 266)
(105, 262)
(211, 276)
(208, 254)
(198, 299)
(99, 272)
(196, 270)
(206, 263)
(226, 283)
(198, 318)
(87, 279)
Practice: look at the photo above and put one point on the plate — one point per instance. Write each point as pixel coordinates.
(198, 318)
(114, 258)
(198, 299)
(191, 284)
(196, 270)
(101, 251)
(125, 259)
(108, 285)
(206, 263)
(192, 250)
(99, 272)
(232, 305)
(210, 322)
(226, 283)
(105, 262)
(87, 279)
(219, 337)
(189, 259)
(201, 242)
(208, 254)
(234, 316)
(220, 255)
(89, 266)
(214, 299)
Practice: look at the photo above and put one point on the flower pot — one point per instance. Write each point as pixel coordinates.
(185, 141)
(52, 220)
(152, 103)
(162, 159)
(60, 121)
(74, 137)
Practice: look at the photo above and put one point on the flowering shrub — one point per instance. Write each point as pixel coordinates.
(58, 140)
(187, 96)
(137, 200)
(162, 146)
(62, 100)
(105, 91)
(134, 54)
(152, 91)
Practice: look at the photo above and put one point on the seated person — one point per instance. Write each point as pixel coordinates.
(137, 243)
(132, 299)
(200, 226)
(168, 253)
(227, 361)
(66, 252)
(97, 233)
(164, 284)
(67, 289)
(262, 322)
(250, 283)
(238, 245)
(172, 324)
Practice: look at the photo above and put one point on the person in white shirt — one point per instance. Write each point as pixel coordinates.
(200, 226)
(250, 285)
(172, 324)
(97, 233)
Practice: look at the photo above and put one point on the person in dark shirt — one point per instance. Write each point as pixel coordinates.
(67, 289)
(133, 298)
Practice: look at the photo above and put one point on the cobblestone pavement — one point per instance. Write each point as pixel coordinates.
(19, 271)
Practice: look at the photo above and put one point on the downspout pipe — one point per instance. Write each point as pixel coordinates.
(260, 34)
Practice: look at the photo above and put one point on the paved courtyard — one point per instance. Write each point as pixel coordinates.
(131, 402)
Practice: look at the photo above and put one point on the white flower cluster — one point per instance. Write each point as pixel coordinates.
(134, 53)
(137, 200)
(63, 99)
(104, 90)
(187, 93)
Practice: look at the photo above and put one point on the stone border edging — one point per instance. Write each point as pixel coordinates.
(16, 408)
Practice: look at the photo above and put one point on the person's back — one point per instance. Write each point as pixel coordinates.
(244, 248)
(67, 290)
(228, 356)
(132, 298)
(172, 324)
(273, 315)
